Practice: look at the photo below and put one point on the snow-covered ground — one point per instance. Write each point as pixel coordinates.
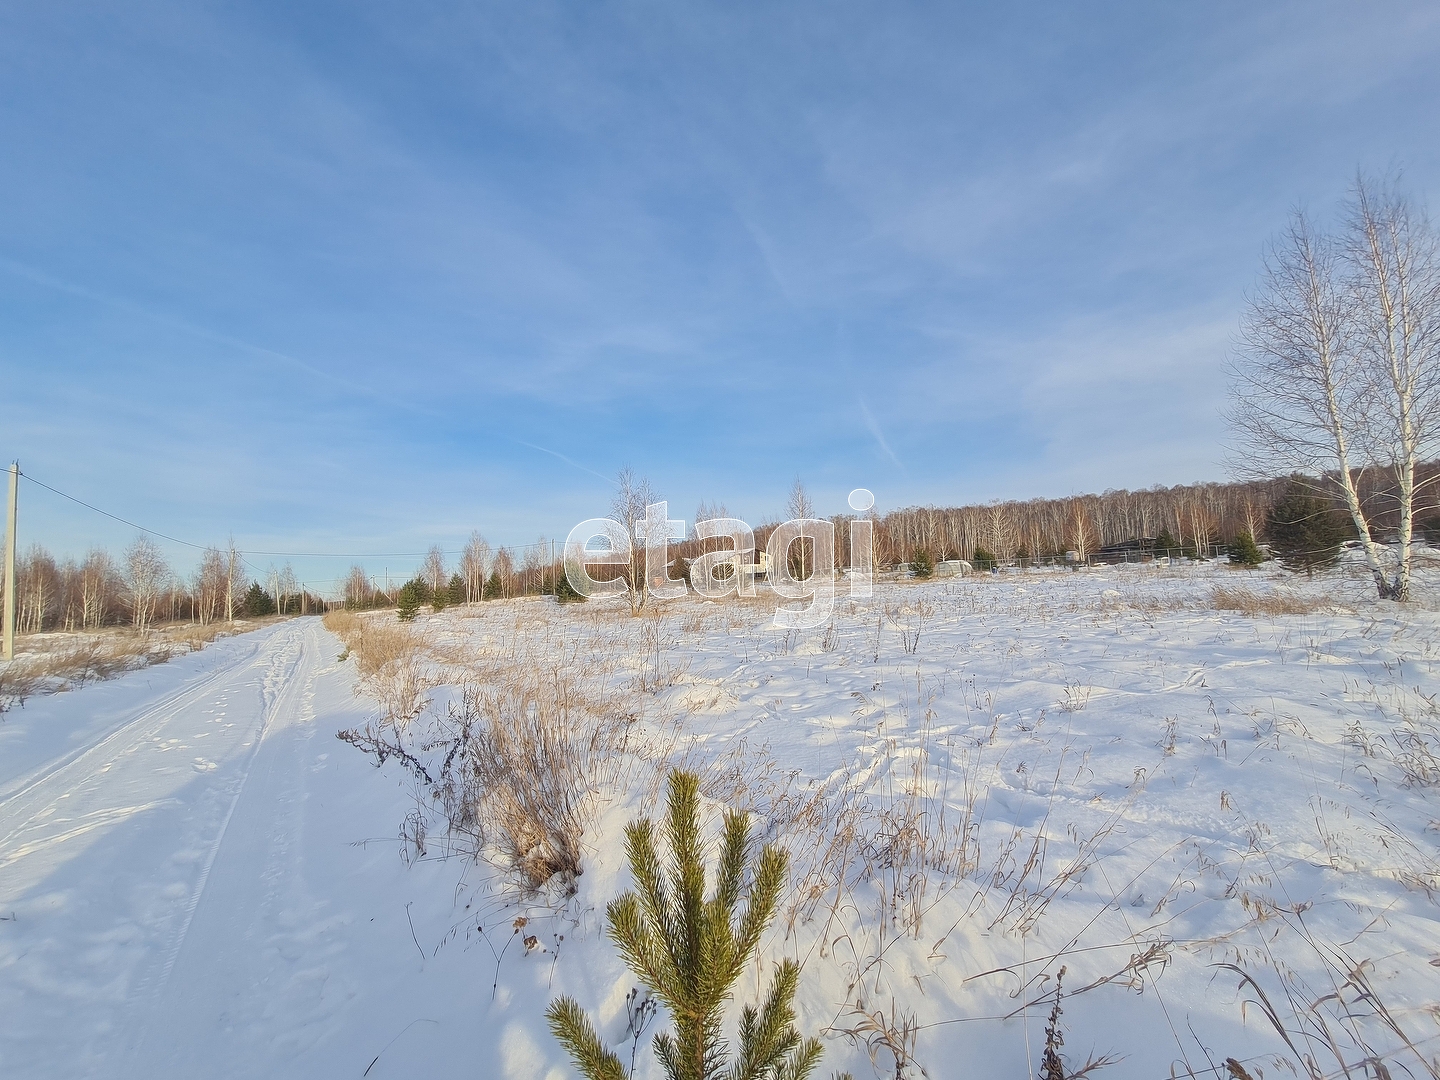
(979, 781)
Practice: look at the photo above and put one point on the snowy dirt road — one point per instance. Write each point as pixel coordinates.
(161, 914)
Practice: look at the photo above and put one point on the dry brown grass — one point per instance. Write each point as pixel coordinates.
(514, 765)
(519, 777)
(104, 658)
(16, 684)
(342, 622)
(1141, 602)
(50, 663)
(190, 637)
(393, 660)
(382, 644)
(909, 621)
(1239, 598)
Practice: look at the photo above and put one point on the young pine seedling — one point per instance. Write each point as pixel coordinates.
(689, 950)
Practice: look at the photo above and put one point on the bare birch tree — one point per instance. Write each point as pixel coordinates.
(632, 495)
(210, 584)
(710, 511)
(999, 532)
(1395, 285)
(433, 570)
(801, 507)
(286, 586)
(1339, 366)
(146, 576)
(234, 580)
(37, 589)
(503, 571)
(358, 590)
(97, 577)
(1080, 528)
(474, 563)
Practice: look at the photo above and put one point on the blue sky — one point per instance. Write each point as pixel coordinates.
(362, 277)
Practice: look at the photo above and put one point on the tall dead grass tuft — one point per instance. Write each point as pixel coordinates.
(392, 660)
(1343, 1019)
(16, 684)
(522, 764)
(342, 622)
(191, 637)
(889, 1040)
(909, 621)
(536, 731)
(1238, 598)
(657, 670)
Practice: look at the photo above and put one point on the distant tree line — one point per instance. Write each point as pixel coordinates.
(1292, 515)
(1190, 518)
(1285, 514)
(481, 574)
(141, 590)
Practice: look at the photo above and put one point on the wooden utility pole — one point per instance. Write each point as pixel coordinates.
(230, 583)
(10, 562)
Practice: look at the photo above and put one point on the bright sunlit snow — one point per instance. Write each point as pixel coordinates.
(979, 780)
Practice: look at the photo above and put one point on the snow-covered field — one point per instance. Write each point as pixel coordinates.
(980, 782)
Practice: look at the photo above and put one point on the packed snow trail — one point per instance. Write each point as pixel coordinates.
(191, 883)
(110, 846)
(154, 916)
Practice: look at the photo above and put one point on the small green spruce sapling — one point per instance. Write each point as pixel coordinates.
(1245, 552)
(409, 603)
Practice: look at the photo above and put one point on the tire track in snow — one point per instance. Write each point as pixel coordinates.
(99, 819)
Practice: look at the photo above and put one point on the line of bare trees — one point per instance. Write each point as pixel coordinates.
(1195, 515)
(482, 573)
(1192, 516)
(140, 589)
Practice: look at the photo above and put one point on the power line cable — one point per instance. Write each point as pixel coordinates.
(251, 551)
(133, 525)
(113, 517)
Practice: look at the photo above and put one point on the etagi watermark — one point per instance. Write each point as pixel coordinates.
(717, 574)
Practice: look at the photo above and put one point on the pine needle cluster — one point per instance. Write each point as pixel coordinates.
(689, 950)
